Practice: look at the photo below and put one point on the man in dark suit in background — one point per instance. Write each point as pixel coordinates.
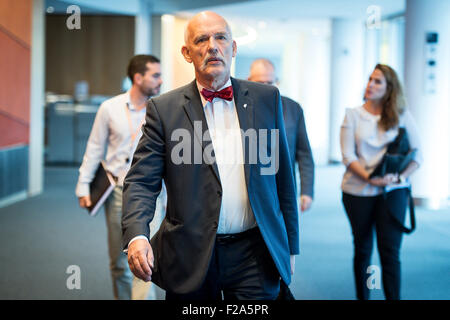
(231, 227)
(263, 71)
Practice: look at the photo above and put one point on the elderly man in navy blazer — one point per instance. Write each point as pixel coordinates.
(231, 226)
(263, 71)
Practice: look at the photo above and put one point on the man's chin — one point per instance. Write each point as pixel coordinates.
(152, 92)
(214, 71)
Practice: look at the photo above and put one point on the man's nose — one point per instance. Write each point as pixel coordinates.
(212, 44)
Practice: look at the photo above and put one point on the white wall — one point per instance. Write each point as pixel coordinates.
(143, 28)
(347, 75)
(430, 110)
(305, 78)
(37, 100)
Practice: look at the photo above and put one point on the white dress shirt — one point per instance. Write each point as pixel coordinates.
(111, 132)
(224, 129)
(364, 141)
(236, 214)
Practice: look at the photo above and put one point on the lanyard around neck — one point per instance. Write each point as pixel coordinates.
(133, 133)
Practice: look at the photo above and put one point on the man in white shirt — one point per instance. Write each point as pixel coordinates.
(116, 130)
(231, 227)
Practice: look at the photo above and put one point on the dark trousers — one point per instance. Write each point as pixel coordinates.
(241, 268)
(369, 214)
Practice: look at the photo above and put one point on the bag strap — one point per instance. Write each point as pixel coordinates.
(412, 216)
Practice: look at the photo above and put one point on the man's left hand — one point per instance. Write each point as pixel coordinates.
(305, 202)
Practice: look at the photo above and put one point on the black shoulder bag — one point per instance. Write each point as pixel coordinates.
(397, 157)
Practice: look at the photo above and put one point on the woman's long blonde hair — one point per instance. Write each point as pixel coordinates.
(393, 102)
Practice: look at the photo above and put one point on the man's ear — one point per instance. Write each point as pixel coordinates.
(234, 48)
(137, 78)
(185, 53)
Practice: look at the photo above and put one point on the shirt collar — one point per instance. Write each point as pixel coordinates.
(366, 115)
(128, 101)
(200, 88)
(129, 105)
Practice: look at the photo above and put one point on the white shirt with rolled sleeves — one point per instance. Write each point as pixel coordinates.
(223, 124)
(362, 140)
(110, 132)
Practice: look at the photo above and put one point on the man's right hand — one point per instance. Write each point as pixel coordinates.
(140, 259)
(85, 202)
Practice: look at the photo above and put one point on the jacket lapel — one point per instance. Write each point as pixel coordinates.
(194, 110)
(245, 111)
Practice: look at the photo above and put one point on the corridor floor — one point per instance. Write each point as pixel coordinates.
(43, 236)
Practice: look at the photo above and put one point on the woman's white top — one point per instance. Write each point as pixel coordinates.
(362, 140)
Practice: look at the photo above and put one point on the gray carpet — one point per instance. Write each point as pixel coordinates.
(44, 235)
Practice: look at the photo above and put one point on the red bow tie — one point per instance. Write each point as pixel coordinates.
(226, 93)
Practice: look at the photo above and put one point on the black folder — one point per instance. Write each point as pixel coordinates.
(100, 188)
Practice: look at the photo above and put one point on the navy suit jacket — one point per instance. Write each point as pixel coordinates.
(184, 243)
(299, 148)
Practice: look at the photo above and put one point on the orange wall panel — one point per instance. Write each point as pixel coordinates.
(15, 17)
(14, 78)
(13, 132)
(15, 71)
